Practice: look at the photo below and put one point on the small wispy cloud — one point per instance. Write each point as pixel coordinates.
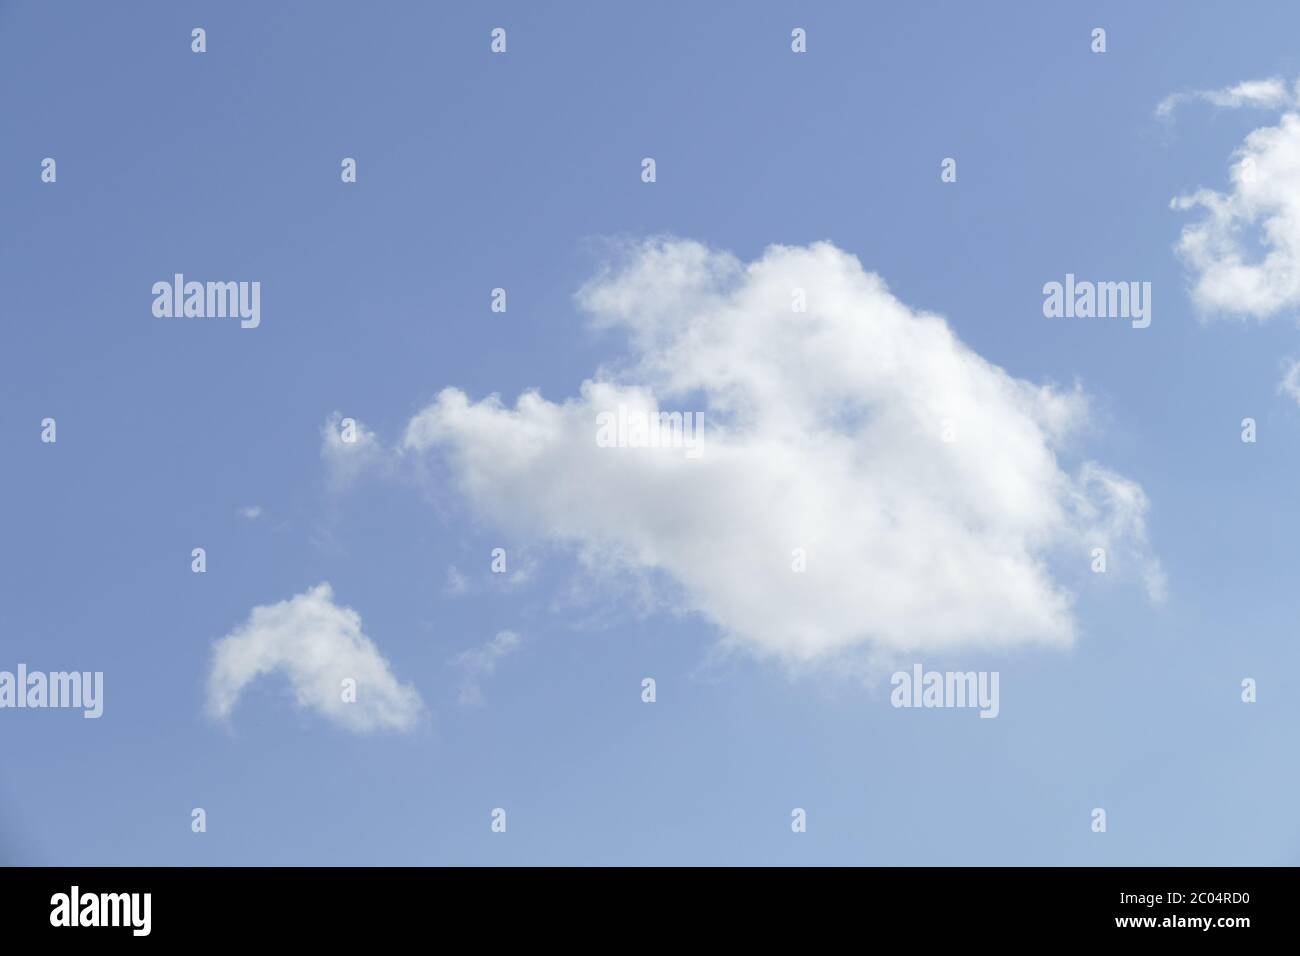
(348, 449)
(1271, 93)
(525, 567)
(479, 663)
(251, 512)
(1290, 384)
(457, 584)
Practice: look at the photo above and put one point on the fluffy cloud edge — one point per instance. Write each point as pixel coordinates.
(1243, 254)
(318, 646)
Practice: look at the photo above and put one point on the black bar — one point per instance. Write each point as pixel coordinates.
(667, 907)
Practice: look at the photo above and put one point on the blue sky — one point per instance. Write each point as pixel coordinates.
(522, 171)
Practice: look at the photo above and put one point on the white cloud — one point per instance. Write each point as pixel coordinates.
(824, 431)
(457, 584)
(345, 461)
(251, 512)
(1244, 252)
(481, 662)
(1114, 511)
(523, 567)
(1290, 384)
(317, 645)
(1271, 93)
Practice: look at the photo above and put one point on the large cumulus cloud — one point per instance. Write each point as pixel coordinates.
(920, 481)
